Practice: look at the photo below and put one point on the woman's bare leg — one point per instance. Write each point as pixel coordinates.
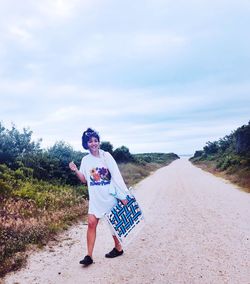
(117, 243)
(91, 233)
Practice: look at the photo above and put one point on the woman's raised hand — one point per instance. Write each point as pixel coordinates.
(73, 166)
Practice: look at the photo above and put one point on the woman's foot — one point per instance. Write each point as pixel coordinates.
(86, 261)
(114, 253)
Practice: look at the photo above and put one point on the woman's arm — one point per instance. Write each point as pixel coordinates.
(74, 168)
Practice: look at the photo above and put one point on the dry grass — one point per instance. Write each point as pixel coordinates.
(133, 173)
(22, 223)
(240, 178)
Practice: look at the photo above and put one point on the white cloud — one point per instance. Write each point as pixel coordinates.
(14, 87)
(155, 43)
(63, 9)
(20, 33)
(59, 8)
(108, 47)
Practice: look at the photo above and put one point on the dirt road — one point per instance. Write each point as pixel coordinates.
(197, 231)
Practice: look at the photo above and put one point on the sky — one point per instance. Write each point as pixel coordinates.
(154, 76)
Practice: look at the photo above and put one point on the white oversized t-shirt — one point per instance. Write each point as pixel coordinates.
(103, 177)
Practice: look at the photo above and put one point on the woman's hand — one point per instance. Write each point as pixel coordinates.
(73, 166)
(124, 201)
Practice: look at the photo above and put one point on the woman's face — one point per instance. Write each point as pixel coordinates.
(93, 145)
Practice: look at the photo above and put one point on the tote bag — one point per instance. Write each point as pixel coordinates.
(126, 220)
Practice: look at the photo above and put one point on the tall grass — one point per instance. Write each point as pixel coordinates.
(23, 223)
(238, 174)
(133, 173)
(31, 211)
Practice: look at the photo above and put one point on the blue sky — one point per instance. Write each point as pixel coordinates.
(155, 76)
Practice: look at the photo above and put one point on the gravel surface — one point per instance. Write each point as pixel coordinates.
(197, 231)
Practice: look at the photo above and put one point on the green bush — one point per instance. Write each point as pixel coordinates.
(226, 163)
(50, 196)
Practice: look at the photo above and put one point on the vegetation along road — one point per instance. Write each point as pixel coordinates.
(197, 231)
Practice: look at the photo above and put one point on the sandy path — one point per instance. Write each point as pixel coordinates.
(197, 231)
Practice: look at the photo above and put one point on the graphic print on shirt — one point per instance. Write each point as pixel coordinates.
(100, 176)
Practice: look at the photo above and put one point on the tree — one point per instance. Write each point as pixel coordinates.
(242, 140)
(15, 145)
(225, 142)
(211, 147)
(122, 155)
(60, 154)
(107, 146)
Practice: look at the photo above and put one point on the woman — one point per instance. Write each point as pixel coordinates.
(105, 184)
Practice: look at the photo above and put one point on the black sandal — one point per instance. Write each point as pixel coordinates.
(86, 261)
(114, 253)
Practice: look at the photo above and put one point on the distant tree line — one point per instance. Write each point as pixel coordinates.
(229, 152)
(159, 158)
(18, 151)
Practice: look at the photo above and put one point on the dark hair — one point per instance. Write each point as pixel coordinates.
(87, 135)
